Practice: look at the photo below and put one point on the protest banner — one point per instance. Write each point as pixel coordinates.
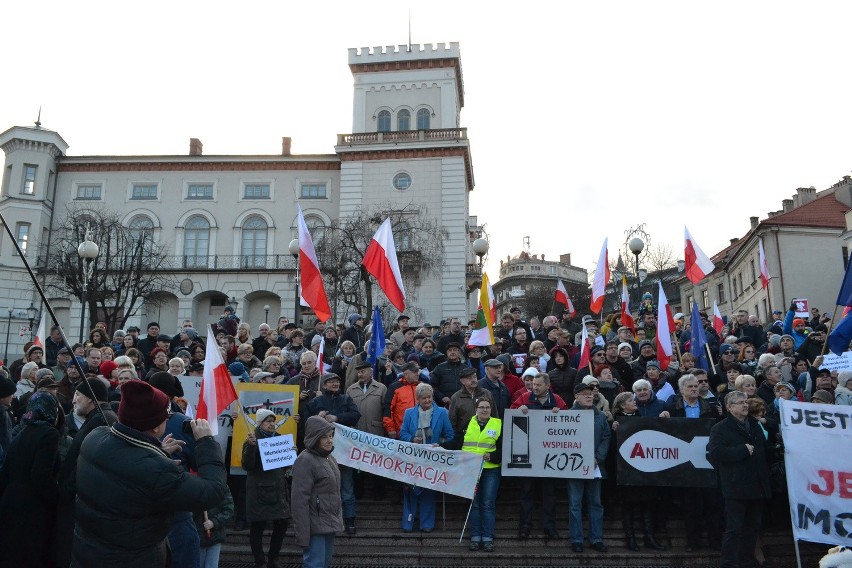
(283, 400)
(837, 363)
(665, 452)
(819, 470)
(542, 443)
(277, 451)
(447, 471)
(801, 311)
(192, 391)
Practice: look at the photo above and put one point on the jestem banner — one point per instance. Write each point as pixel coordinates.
(283, 400)
(421, 465)
(819, 470)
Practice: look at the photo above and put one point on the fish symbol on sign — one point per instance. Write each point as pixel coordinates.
(652, 451)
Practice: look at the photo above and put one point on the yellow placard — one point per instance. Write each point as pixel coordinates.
(283, 400)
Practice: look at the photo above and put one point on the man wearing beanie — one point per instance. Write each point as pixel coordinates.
(128, 486)
(89, 395)
(795, 327)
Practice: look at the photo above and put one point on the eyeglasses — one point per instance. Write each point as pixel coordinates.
(702, 380)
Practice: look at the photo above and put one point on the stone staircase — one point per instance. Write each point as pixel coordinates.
(380, 541)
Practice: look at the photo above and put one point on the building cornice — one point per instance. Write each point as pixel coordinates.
(410, 65)
(195, 164)
(362, 155)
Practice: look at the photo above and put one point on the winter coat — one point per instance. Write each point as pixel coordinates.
(267, 495)
(530, 400)
(842, 396)
(369, 405)
(128, 490)
(562, 380)
(221, 515)
(499, 394)
(742, 475)
(339, 405)
(356, 335)
(442, 430)
(29, 494)
(315, 496)
(603, 433)
(650, 409)
(399, 398)
(445, 379)
(675, 408)
(463, 408)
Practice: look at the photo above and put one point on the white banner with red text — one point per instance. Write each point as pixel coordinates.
(430, 467)
(818, 462)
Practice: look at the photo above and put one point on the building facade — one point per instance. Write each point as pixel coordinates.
(226, 221)
(529, 282)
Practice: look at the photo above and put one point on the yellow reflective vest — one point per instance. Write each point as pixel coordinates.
(482, 441)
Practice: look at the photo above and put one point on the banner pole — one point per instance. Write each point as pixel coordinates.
(710, 360)
(472, 499)
(792, 514)
(827, 333)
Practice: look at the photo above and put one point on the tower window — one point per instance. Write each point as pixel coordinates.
(384, 121)
(403, 120)
(28, 186)
(423, 118)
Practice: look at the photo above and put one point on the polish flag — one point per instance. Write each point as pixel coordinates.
(585, 351)
(698, 265)
(561, 295)
(321, 365)
(764, 268)
(718, 322)
(601, 278)
(217, 390)
(626, 316)
(41, 334)
(380, 261)
(665, 328)
(486, 313)
(313, 288)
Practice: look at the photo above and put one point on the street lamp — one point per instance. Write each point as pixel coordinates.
(480, 247)
(88, 252)
(636, 246)
(31, 312)
(294, 250)
(8, 327)
(266, 313)
(232, 301)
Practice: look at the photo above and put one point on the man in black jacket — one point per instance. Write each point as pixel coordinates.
(738, 451)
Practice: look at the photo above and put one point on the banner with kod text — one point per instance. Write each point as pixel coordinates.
(818, 462)
(447, 471)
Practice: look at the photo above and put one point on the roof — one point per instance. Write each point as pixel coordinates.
(823, 212)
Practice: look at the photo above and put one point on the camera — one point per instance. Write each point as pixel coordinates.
(186, 427)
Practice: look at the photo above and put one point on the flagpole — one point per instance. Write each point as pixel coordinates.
(827, 333)
(710, 359)
(475, 491)
(677, 346)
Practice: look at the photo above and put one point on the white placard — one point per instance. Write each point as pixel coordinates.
(277, 451)
(542, 443)
(837, 363)
(801, 311)
(819, 469)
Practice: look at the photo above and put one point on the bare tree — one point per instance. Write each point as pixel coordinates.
(340, 249)
(130, 268)
(539, 299)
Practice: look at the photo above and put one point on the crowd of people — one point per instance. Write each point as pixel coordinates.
(72, 419)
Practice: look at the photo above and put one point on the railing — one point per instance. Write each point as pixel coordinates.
(231, 262)
(441, 134)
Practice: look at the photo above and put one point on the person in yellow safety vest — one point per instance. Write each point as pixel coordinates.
(483, 436)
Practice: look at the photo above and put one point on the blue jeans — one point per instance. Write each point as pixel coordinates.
(210, 555)
(591, 488)
(319, 551)
(347, 491)
(418, 502)
(483, 512)
(184, 541)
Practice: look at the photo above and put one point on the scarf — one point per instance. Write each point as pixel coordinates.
(424, 424)
(307, 378)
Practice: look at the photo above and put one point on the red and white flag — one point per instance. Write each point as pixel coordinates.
(321, 364)
(380, 261)
(313, 287)
(561, 296)
(626, 316)
(764, 268)
(41, 334)
(665, 328)
(718, 322)
(585, 350)
(601, 278)
(698, 265)
(217, 390)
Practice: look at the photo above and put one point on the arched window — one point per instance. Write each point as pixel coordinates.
(384, 121)
(196, 242)
(423, 118)
(403, 120)
(316, 227)
(141, 226)
(254, 243)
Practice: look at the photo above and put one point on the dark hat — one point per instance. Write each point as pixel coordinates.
(290, 325)
(493, 363)
(514, 310)
(467, 372)
(228, 309)
(452, 344)
(353, 318)
(655, 364)
(645, 342)
(237, 369)
(363, 365)
(402, 317)
(164, 381)
(142, 407)
(47, 383)
(163, 337)
(63, 351)
(7, 386)
(183, 352)
(196, 367)
(823, 396)
(588, 319)
(150, 324)
(96, 386)
(34, 348)
(329, 377)
(595, 349)
(133, 328)
(725, 348)
(826, 372)
(581, 386)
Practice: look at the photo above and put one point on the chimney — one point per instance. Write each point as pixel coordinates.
(734, 241)
(787, 205)
(542, 258)
(286, 142)
(565, 258)
(195, 147)
(754, 222)
(806, 194)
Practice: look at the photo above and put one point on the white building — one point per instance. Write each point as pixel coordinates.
(229, 219)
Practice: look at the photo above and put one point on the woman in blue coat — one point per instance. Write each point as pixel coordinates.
(423, 424)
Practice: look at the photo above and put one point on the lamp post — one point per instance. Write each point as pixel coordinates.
(266, 313)
(232, 301)
(31, 312)
(8, 328)
(88, 252)
(636, 246)
(297, 308)
(480, 248)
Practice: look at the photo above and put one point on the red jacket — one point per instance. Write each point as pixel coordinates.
(531, 402)
(399, 398)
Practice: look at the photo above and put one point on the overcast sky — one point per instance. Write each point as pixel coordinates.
(585, 118)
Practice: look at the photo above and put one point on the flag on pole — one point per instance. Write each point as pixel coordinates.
(601, 278)
(698, 265)
(844, 298)
(585, 350)
(217, 390)
(313, 288)
(380, 261)
(718, 322)
(321, 365)
(561, 295)
(764, 268)
(698, 339)
(41, 334)
(665, 328)
(483, 334)
(626, 315)
(840, 336)
(376, 345)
